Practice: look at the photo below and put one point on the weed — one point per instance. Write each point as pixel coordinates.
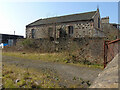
(24, 78)
(56, 57)
(74, 78)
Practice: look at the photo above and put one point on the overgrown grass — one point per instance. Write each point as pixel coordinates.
(57, 57)
(63, 57)
(19, 77)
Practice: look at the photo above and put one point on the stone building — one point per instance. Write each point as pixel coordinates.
(105, 20)
(111, 30)
(86, 24)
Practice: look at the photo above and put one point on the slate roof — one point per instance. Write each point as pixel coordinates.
(66, 18)
(10, 36)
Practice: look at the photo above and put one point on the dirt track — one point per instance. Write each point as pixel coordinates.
(64, 71)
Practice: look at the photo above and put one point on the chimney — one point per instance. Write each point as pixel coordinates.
(14, 32)
(105, 19)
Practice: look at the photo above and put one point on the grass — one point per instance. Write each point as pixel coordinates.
(90, 66)
(19, 77)
(54, 57)
(37, 56)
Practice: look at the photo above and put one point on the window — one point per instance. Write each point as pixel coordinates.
(70, 30)
(50, 31)
(33, 33)
(62, 33)
(98, 22)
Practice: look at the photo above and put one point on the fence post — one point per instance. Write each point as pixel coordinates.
(104, 54)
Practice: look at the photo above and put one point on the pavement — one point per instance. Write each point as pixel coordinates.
(108, 78)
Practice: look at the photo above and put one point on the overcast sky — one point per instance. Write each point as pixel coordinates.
(14, 16)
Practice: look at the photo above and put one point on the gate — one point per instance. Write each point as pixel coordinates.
(111, 49)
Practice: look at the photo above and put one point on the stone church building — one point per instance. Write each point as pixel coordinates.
(86, 24)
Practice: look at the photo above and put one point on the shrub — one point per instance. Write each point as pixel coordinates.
(29, 43)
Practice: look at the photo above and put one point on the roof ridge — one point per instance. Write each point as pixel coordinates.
(64, 16)
(67, 15)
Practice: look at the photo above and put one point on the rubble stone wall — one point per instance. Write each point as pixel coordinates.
(85, 48)
(80, 29)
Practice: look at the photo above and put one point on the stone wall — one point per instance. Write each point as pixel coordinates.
(89, 49)
(98, 33)
(108, 78)
(80, 29)
(110, 31)
(105, 20)
(96, 16)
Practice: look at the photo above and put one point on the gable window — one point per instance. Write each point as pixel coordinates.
(98, 22)
(70, 30)
(33, 33)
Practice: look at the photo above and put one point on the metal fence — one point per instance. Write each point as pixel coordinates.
(111, 49)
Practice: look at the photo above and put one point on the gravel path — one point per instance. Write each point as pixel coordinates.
(64, 71)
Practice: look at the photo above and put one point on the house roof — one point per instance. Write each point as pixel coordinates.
(66, 18)
(9, 35)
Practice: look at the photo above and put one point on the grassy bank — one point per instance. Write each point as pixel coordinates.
(52, 57)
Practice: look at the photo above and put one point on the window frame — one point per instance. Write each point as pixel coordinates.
(98, 22)
(70, 30)
(33, 33)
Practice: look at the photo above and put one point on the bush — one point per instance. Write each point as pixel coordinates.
(29, 43)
